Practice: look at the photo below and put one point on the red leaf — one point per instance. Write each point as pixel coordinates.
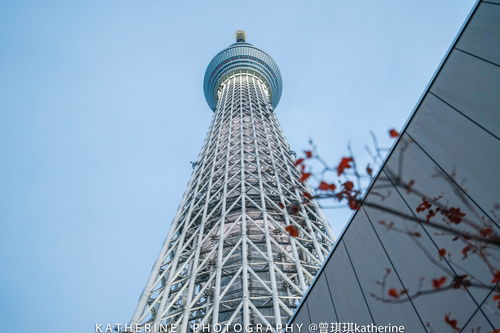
(281, 205)
(323, 186)
(299, 161)
(424, 205)
(393, 133)
(452, 322)
(486, 231)
(393, 292)
(292, 230)
(410, 185)
(369, 170)
(460, 280)
(309, 154)
(442, 252)
(307, 195)
(437, 283)
(466, 250)
(388, 225)
(344, 164)
(430, 214)
(453, 214)
(496, 277)
(496, 298)
(348, 186)
(304, 176)
(354, 204)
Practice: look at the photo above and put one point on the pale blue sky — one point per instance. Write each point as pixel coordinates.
(102, 109)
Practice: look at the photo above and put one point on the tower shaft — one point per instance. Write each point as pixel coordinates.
(229, 256)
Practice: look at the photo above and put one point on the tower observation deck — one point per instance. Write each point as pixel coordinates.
(228, 258)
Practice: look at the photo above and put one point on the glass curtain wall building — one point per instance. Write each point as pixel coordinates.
(450, 149)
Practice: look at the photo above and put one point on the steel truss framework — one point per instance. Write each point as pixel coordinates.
(227, 257)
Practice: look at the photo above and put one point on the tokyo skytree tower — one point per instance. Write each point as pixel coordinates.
(229, 256)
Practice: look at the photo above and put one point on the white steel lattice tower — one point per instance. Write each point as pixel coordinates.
(228, 257)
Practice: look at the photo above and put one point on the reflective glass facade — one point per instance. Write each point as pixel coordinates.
(449, 147)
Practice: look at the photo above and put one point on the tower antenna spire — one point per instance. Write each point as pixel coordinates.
(240, 36)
